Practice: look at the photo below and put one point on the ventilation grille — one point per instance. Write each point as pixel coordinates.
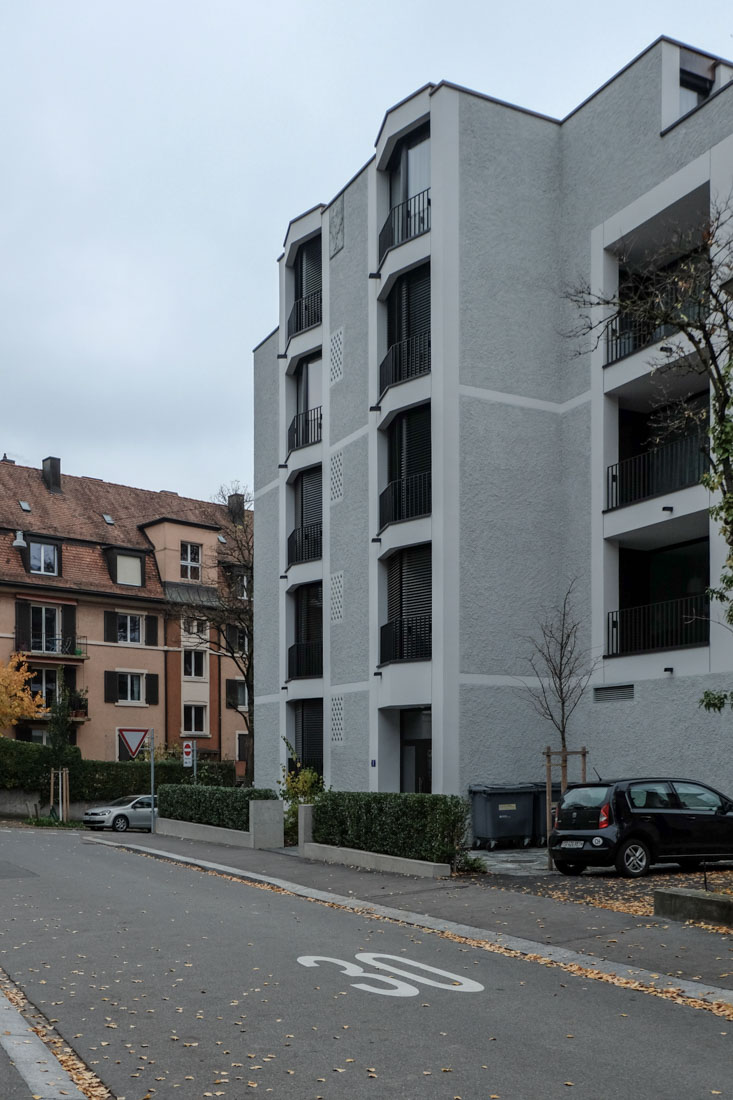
(337, 477)
(337, 597)
(613, 693)
(337, 719)
(336, 356)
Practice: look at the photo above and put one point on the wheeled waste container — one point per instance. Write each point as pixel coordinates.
(502, 814)
(539, 831)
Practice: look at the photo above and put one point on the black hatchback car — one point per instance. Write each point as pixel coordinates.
(632, 823)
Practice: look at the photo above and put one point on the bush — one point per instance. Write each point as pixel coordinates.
(27, 767)
(227, 807)
(414, 826)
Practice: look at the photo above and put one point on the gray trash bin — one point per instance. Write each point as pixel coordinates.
(540, 817)
(502, 814)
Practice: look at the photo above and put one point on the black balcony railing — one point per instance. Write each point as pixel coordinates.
(66, 645)
(305, 659)
(304, 543)
(406, 639)
(407, 359)
(664, 470)
(669, 625)
(627, 333)
(305, 428)
(305, 313)
(404, 221)
(406, 498)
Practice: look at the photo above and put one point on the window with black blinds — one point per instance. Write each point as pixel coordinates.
(408, 306)
(409, 443)
(309, 733)
(409, 583)
(309, 613)
(307, 268)
(308, 497)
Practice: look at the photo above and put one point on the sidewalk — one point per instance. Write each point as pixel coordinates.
(498, 907)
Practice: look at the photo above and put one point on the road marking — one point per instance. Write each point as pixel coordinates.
(454, 984)
(35, 1063)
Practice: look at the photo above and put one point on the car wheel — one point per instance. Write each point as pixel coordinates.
(566, 868)
(633, 859)
(120, 824)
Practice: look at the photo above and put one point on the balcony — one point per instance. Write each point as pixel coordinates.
(406, 498)
(304, 544)
(630, 332)
(674, 466)
(405, 360)
(674, 624)
(406, 639)
(305, 428)
(406, 220)
(306, 313)
(305, 659)
(63, 645)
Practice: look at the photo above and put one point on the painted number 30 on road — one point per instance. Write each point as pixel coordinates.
(393, 987)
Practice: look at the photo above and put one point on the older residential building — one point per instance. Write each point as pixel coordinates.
(435, 459)
(90, 577)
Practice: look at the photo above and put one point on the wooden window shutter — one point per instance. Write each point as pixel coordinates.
(151, 630)
(68, 629)
(22, 626)
(232, 694)
(69, 677)
(232, 638)
(59, 562)
(110, 687)
(151, 689)
(110, 626)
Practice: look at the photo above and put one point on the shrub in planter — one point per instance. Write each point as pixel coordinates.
(227, 807)
(414, 826)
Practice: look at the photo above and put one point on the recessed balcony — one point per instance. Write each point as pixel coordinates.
(674, 624)
(304, 543)
(405, 220)
(406, 498)
(666, 469)
(405, 360)
(64, 645)
(406, 639)
(306, 313)
(305, 429)
(305, 660)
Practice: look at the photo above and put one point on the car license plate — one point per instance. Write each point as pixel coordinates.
(572, 844)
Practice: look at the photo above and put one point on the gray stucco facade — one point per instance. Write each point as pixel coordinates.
(398, 569)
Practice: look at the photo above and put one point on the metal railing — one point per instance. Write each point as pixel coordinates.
(669, 625)
(305, 428)
(404, 221)
(664, 470)
(404, 360)
(305, 313)
(304, 543)
(66, 645)
(627, 333)
(305, 659)
(406, 498)
(406, 639)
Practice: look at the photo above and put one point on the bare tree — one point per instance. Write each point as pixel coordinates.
(221, 616)
(678, 302)
(561, 667)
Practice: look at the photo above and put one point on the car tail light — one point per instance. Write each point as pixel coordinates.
(604, 818)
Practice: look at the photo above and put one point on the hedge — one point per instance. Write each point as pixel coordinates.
(227, 807)
(24, 766)
(414, 826)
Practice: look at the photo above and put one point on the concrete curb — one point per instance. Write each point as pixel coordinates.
(682, 905)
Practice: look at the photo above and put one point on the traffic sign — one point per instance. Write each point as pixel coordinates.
(134, 739)
(188, 754)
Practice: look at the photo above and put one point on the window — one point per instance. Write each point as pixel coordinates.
(694, 90)
(650, 796)
(129, 570)
(45, 629)
(694, 797)
(194, 626)
(129, 687)
(194, 663)
(236, 694)
(242, 748)
(43, 558)
(194, 718)
(128, 628)
(44, 683)
(190, 561)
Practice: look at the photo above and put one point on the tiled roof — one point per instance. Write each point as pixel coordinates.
(76, 512)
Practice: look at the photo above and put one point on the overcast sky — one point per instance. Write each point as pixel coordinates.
(153, 152)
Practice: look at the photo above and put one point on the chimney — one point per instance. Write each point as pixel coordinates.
(235, 504)
(52, 474)
(10, 461)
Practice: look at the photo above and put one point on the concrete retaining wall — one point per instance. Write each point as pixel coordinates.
(678, 904)
(266, 828)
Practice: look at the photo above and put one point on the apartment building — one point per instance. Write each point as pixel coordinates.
(435, 458)
(91, 574)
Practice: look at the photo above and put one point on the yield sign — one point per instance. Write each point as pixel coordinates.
(134, 739)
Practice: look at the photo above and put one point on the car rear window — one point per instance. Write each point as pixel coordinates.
(580, 807)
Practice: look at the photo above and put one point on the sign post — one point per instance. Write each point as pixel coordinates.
(188, 754)
(134, 739)
(152, 781)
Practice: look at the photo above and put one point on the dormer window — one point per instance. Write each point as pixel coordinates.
(126, 567)
(44, 558)
(190, 561)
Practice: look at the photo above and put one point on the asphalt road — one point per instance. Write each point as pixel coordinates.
(173, 983)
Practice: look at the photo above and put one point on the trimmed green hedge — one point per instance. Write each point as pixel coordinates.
(28, 767)
(414, 826)
(227, 807)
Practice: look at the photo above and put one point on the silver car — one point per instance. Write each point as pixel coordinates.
(130, 812)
